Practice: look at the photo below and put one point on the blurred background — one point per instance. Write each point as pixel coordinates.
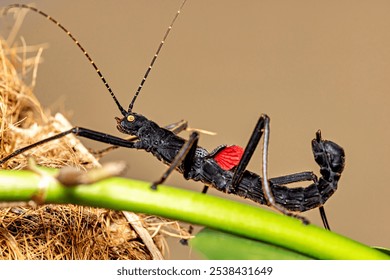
(308, 64)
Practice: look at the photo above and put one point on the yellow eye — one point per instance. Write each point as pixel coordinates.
(130, 118)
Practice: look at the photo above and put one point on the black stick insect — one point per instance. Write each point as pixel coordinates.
(225, 167)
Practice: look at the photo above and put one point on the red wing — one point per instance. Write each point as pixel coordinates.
(229, 157)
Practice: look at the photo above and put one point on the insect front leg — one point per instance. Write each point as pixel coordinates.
(79, 131)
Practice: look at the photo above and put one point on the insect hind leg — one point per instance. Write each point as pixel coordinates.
(265, 182)
(262, 127)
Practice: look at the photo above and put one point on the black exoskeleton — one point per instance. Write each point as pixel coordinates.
(165, 146)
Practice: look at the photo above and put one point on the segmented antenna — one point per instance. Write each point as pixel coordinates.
(22, 6)
(70, 35)
(155, 57)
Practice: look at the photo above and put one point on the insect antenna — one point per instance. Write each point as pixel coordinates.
(70, 35)
(155, 57)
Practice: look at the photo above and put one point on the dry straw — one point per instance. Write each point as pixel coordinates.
(59, 231)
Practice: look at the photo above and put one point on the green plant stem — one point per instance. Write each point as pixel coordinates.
(241, 219)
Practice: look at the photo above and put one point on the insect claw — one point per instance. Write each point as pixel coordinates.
(301, 218)
(184, 242)
(304, 220)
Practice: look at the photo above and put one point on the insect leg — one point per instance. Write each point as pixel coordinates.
(265, 182)
(185, 156)
(249, 150)
(299, 177)
(261, 127)
(177, 127)
(205, 189)
(80, 131)
(294, 178)
(323, 217)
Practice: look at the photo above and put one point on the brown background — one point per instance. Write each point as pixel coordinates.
(307, 64)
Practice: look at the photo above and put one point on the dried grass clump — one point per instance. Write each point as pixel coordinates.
(59, 231)
(23, 122)
(68, 232)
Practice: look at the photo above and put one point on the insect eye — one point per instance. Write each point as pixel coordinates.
(130, 118)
